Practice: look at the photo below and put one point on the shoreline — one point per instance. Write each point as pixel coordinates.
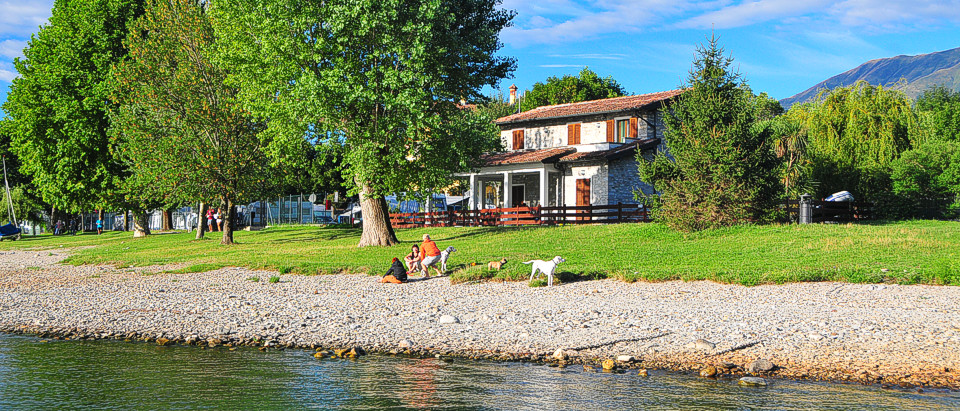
(905, 336)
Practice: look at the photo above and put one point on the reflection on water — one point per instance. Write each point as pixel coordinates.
(117, 375)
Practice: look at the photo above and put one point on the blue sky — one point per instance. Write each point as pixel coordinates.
(782, 47)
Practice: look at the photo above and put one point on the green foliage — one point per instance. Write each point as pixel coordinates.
(381, 79)
(253, 279)
(938, 111)
(26, 206)
(57, 107)
(926, 176)
(853, 134)
(571, 89)
(274, 279)
(720, 169)
(178, 124)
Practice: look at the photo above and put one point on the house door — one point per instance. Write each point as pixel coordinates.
(517, 195)
(583, 196)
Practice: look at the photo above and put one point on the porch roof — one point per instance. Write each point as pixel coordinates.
(613, 153)
(549, 155)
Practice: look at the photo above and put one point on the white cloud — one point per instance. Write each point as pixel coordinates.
(561, 65)
(751, 12)
(8, 75)
(612, 56)
(12, 49)
(19, 19)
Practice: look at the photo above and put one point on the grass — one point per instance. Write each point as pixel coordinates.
(274, 279)
(900, 252)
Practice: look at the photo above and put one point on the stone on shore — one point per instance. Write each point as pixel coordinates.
(560, 355)
(449, 319)
(708, 371)
(164, 342)
(626, 358)
(643, 372)
(760, 366)
(405, 344)
(702, 345)
(608, 364)
(752, 382)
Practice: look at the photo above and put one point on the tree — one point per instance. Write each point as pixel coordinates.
(179, 125)
(381, 79)
(938, 111)
(925, 175)
(57, 107)
(571, 89)
(853, 134)
(720, 169)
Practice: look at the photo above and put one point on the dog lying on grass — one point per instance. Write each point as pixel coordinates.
(545, 267)
(444, 255)
(497, 265)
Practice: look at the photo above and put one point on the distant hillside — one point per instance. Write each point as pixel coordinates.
(921, 72)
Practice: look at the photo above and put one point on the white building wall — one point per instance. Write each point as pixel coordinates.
(598, 175)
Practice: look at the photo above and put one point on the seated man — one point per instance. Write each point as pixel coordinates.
(396, 274)
(429, 256)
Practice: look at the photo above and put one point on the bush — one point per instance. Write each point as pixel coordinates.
(274, 279)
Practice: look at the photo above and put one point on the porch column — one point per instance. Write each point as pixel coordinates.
(507, 189)
(543, 187)
(473, 192)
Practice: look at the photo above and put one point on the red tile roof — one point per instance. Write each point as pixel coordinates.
(607, 105)
(565, 154)
(529, 156)
(612, 153)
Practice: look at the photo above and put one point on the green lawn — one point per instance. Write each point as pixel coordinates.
(903, 252)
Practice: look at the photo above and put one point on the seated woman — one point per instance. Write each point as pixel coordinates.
(396, 274)
(413, 260)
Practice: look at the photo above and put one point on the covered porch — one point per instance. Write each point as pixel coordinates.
(505, 187)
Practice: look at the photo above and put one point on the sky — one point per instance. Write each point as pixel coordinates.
(781, 47)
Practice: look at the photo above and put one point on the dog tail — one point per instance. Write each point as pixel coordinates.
(528, 262)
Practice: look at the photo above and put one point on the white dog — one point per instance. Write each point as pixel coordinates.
(444, 255)
(545, 267)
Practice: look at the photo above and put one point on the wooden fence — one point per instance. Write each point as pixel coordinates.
(516, 216)
(833, 211)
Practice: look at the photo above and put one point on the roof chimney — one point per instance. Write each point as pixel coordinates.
(513, 94)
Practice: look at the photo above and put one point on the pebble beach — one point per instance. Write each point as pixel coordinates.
(887, 334)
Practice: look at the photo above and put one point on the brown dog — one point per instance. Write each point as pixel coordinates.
(496, 265)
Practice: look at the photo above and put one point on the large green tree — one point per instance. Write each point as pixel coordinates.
(380, 78)
(938, 111)
(585, 86)
(852, 136)
(57, 107)
(720, 169)
(180, 127)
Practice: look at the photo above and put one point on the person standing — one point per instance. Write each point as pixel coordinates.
(429, 256)
(210, 220)
(99, 226)
(219, 217)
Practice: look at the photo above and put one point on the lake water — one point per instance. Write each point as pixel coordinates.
(118, 375)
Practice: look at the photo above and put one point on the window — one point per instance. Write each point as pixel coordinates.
(518, 139)
(623, 130)
(573, 134)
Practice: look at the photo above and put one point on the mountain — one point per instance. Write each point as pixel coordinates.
(920, 72)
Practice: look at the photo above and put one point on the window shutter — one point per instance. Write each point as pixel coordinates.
(611, 131)
(573, 134)
(633, 127)
(518, 139)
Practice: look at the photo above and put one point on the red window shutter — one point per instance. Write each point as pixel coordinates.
(611, 131)
(571, 134)
(578, 134)
(518, 139)
(633, 127)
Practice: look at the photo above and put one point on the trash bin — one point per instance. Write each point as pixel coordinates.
(806, 209)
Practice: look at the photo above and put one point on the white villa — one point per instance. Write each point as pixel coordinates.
(571, 154)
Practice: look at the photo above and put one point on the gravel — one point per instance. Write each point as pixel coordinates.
(907, 335)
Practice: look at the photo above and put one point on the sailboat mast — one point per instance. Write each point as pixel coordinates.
(9, 196)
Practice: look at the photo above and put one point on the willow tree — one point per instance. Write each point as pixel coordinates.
(178, 123)
(57, 107)
(852, 136)
(380, 78)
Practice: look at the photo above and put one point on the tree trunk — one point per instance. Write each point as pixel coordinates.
(227, 223)
(141, 224)
(166, 223)
(201, 221)
(53, 218)
(377, 230)
(100, 217)
(126, 220)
